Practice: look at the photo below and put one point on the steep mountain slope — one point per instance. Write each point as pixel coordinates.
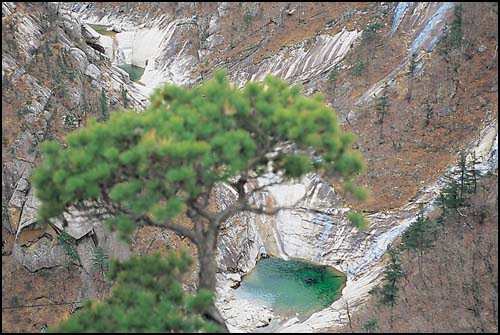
(442, 98)
(451, 286)
(52, 81)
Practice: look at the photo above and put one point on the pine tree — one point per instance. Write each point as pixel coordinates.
(382, 107)
(104, 106)
(429, 111)
(468, 175)
(411, 73)
(149, 168)
(451, 197)
(147, 297)
(333, 77)
(370, 326)
(393, 273)
(124, 96)
(101, 260)
(456, 34)
(69, 245)
(459, 185)
(418, 235)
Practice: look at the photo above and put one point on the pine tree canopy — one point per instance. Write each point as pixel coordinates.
(160, 162)
(147, 297)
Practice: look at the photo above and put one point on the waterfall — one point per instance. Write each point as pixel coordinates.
(279, 244)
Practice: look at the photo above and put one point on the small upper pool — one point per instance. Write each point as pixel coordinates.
(135, 72)
(293, 286)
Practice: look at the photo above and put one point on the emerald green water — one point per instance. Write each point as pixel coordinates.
(293, 286)
(100, 28)
(135, 72)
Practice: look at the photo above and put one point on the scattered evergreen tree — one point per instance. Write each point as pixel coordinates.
(247, 19)
(393, 273)
(411, 73)
(333, 77)
(452, 37)
(124, 96)
(147, 297)
(370, 33)
(456, 34)
(84, 106)
(459, 185)
(450, 48)
(358, 68)
(418, 235)
(101, 260)
(149, 168)
(69, 245)
(382, 107)
(467, 175)
(370, 39)
(104, 106)
(450, 197)
(370, 326)
(429, 111)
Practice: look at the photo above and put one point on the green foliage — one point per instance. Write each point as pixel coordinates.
(23, 111)
(456, 34)
(359, 192)
(419, 236)
(14, 301)
(358, 220)
(411, 73)
(296, 166)
(69, 245)
(393, 273)
(429, 111)
(104, 106)
(247, 19)
(12, 45)
(382, 107)
(124, 96)
(4, 139)
(370, 33)
(100, 259)
(370, 326)
(459, 185)
(28, 285)
(383, 104)
(158, 161)
(6, 83)
(358, 68)
(452, 39)
(147, 297)
(334, 74)
(412, 65)
(450, 197)
(467, 175)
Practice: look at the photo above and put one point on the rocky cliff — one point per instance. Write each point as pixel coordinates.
(442, 101)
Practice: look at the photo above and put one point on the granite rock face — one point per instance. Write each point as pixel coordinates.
(169, 48)
(318, 230)
(37, 247)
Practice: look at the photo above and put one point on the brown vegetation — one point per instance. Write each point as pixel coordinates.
(453, 286)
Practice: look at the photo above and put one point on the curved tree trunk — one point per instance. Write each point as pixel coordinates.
(207, 252)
